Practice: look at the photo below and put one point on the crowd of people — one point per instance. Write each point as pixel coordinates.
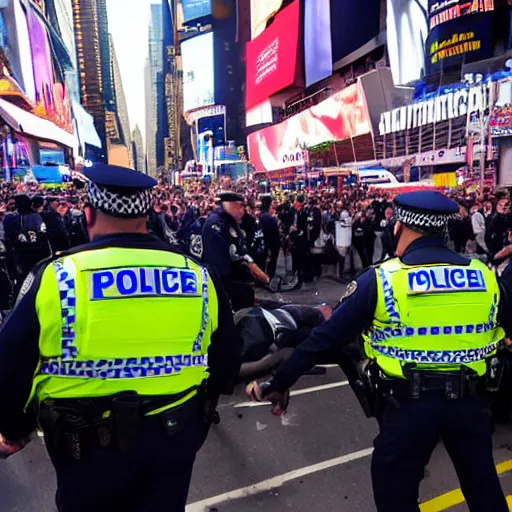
(315, 226)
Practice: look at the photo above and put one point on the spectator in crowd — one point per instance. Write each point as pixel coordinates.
(388, 227)
(496, 234)
(460, 230)
(53, 217)
(478, 225)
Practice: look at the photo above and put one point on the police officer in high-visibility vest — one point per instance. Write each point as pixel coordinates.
(121, 348)
(430, 320)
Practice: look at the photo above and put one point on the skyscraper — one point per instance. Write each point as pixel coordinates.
(85, 18)
(139, 163)
(150, 122)
(171, 124)
(154, 85)
(60, 14)
(106, 70)
(120, 106)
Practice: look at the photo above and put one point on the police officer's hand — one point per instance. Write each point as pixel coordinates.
(258, 274)
(261, 392)
(8, 448)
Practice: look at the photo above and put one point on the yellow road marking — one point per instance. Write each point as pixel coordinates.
(453, 498)
(443, 502)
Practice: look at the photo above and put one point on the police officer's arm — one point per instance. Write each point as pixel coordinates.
(353, 316)
(224, 352)
(19, 358)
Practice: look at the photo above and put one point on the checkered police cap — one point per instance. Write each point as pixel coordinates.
(118, 191)
(421, 220)
(426, 211)
(133, 205)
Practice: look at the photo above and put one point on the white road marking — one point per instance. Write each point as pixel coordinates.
(296, 392)
(328, 365)
(277, 481)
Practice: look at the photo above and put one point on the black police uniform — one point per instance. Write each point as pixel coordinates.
(26, 238)
(225, 249)
(314, 220)
(191, 238)
(411, 427)
(300, 247)
(272, 240)
(92, 473)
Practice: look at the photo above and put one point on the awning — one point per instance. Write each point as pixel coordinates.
(86, 131)
(29, 124)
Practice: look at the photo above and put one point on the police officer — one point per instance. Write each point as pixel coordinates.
(121, 347)
(191, 238)
(430, 319)
(269, 228)
(224, 248)
(26, 238)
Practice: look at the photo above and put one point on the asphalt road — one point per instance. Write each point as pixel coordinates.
(315, 458)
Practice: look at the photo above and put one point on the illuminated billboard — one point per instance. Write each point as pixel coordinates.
(282, 145)
(195, 9)
(261, 11)
(198, 72)
(460, 32)
(407, 31)
(271, 58)
(317, 50)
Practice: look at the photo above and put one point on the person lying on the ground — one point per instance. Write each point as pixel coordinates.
(269, 334)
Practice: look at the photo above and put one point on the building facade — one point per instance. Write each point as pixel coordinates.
(154, 85)
(105, 57)
(139, 163)
(120, 105)
(85, 19)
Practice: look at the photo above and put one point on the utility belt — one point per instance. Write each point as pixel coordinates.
(75, 427)
(375, 390)
(453, 385)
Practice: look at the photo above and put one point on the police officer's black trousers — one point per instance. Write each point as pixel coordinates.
(153, 476)
(407, 439)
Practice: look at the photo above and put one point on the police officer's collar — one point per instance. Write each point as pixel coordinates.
(429, 250)
(123, 236)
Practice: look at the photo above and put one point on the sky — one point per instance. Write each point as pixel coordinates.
(128, 22)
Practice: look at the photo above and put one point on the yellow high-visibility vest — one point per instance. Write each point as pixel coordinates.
(121, 319)
(437, 317)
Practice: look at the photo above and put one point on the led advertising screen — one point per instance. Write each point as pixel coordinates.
(407, 31)
(500, 123)
(195, 9)
(261, 11)
(460, 32)
(317, 50)
(339, 117)
(215, 124)
(198, 72)
(52, 99)
(271, 58)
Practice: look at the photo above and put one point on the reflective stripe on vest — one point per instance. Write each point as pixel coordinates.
(65, 274)
(434, 316)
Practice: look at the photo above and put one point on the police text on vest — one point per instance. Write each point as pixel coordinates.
(445, 279)
(121, 283)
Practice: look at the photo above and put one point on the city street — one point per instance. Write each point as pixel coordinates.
(316, 457)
